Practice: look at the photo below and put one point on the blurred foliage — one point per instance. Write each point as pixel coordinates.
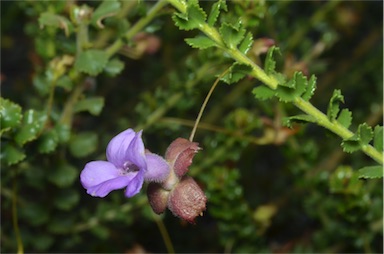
(65, 94)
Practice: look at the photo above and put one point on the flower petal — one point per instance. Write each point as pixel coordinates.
(157, 168)
(118, 147)
(96, 172)
(102, 177)
(104, 188)
(135, 152)
(135, 184)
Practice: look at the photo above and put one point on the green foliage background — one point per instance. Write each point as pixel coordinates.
(269, 188)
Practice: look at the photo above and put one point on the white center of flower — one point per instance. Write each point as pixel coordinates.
(129, 167)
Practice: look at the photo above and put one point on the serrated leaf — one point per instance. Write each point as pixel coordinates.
(246, 44)
(54, 20)
(215, 11)
(287, 121)
(48, 141)
(231, 35)
(63, 175)
(371, 172)
(311, 87)
(270, 63)
(351, 145)
(365, 133)
(237, 72)
(93, 105)
(32, 124)
(263, 92)
(10, 115)
(333, 107)
(378, 138)
(345, 118)
(83, 144)
(11, 154)
(200, 42)
(292, 89)
(91, 61)
(106, 9)
(193, 18)
(114, 67)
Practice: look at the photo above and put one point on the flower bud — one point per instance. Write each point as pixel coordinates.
(187, 200)
(158, 197)
(180, 154)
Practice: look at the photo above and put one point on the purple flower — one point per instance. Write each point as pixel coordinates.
(128, 165)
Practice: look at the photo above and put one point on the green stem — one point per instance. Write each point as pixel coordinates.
(272, 82)
(66, 116)
(164, 233)
(137, 27)
(335, 127)
(20, 248)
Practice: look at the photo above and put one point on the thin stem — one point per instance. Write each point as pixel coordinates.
(205, 104)
(272, 82)
(137, 27)
(20, 248)
(164, 233)
(335, 127)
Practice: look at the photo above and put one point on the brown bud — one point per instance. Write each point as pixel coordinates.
(180, 154)
(187, 200)
(158, 197)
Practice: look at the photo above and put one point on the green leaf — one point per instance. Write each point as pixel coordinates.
(292, 89)
(311, 87)
(32, 124)
(93, 105)
(263, 92)
(237, 72)
(287, 121)
(365, 133)
(35, 213)
(361, 138)
(333, 107)
(200, 42)
(215, 11)
(270, 63)
(63, 175)
(83, 144)
(106, 9)
(63, 132)
(91, 61)
(11, 154)
(351, 145)
(48, 141)
(10, 115)
(193, 18)
(41, 83)
(371, 172)
(378, 138)
(231, 35)
(345, 118)
(66, 199)
(246, 44)
(65, 82)
(51, 19)
(114, 67)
